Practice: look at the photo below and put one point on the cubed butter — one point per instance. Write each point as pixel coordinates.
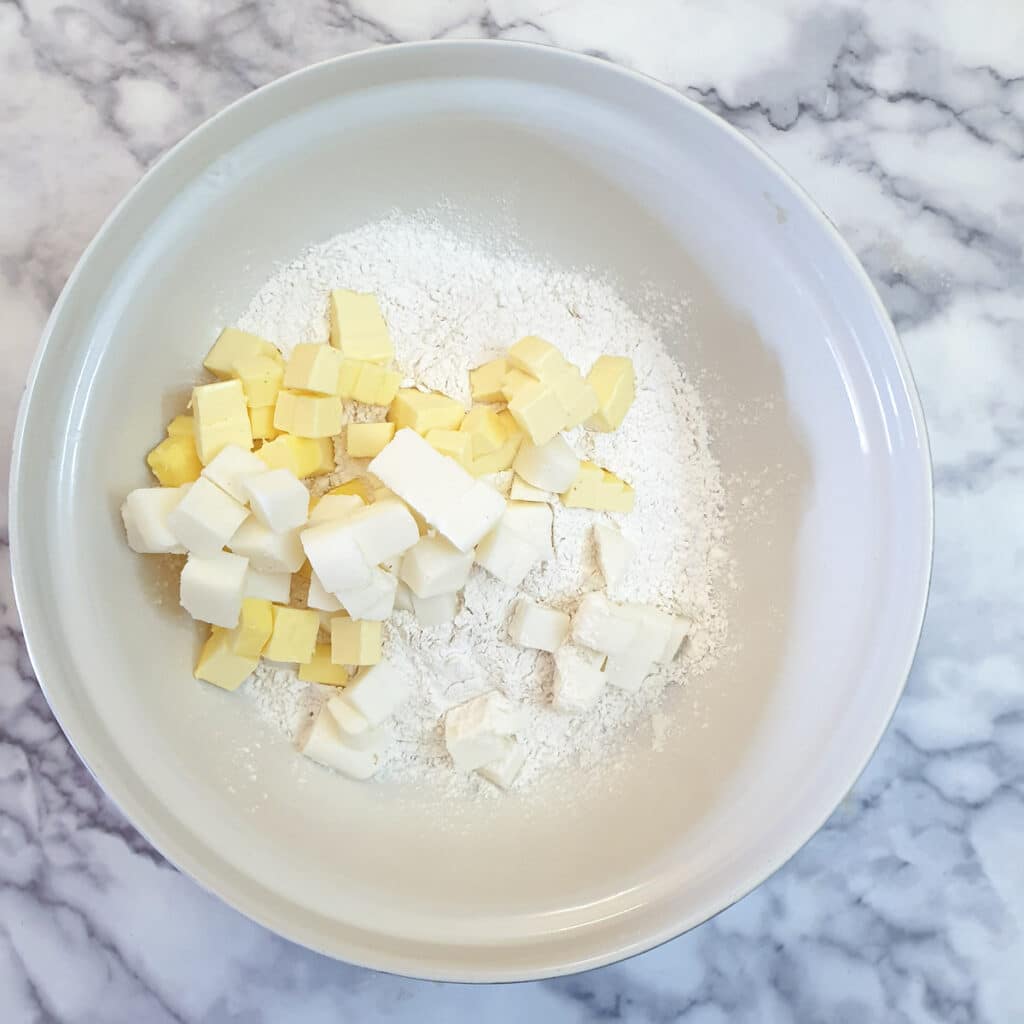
(310, 416)
(303, 456)
(515, 380)
(536, 356)
(232, 345)
(536, 409)
(358, 327)
(424, 412)
(314, 367)
(485, 381)
(222, 418)
(575, 395)
(261, 421)
(598, 489)
(212, 588)
(294, 635)
(355, 641)
(220, 664)
(365, 440)
(377, 692)
(485, 430)
(552, 466)
(612, 379)
(320, 668)
(453, 443)
(174, 461)
(367, 382)
(183, 424)
(501, 459)
(261, 379)
(359, 486)
(255, 624)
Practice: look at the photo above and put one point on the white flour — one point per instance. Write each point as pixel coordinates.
(452, 302)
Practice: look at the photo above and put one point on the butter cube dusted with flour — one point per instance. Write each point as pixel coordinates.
(579, 681)
(221, 418)
(358, 327)
(278, 499)
(614, 553)
(375, 600)
(602, 626)
(145, 513)
(232, 345)
(358, 756)
(314, 367)
(508, 555)
(502, 772)
(434, 566)
(377, 692)
(614, 383)
(212, 588)
(220, 664)
(481, 731)
(206, 518)
(533, 625)
(434, 611)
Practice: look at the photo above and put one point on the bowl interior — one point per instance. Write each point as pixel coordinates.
(816, 429)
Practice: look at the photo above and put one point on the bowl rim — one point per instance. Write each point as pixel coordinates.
(36, 638)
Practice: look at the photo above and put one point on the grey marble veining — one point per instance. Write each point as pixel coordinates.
(905, 121)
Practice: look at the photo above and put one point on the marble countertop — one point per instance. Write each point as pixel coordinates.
(905, 120)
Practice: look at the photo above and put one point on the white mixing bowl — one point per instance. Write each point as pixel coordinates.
(815, 418)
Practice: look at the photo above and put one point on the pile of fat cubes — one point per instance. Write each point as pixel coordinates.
(309, 581)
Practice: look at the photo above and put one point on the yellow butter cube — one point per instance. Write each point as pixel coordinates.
(598, 489)
(320, 668)
(359, 487)
(613, 380)
(220, 665)
(355, 641)
(314, 367)
(348, 377)
(255, 624)
(174, 461)
(515, 380)
(303, 456)
(485, 381)
(453, 443)
(181, 425)
(485, 429)
(233, 344)
(424, 412)
(222, 418)
(261, 420)
(376, 385)
(501, 459)
(365, 440)
(309, 416)
(536, 409)
(294, 635)
(358, 327)
(261, 379)
(575, 395)
(535, 356)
